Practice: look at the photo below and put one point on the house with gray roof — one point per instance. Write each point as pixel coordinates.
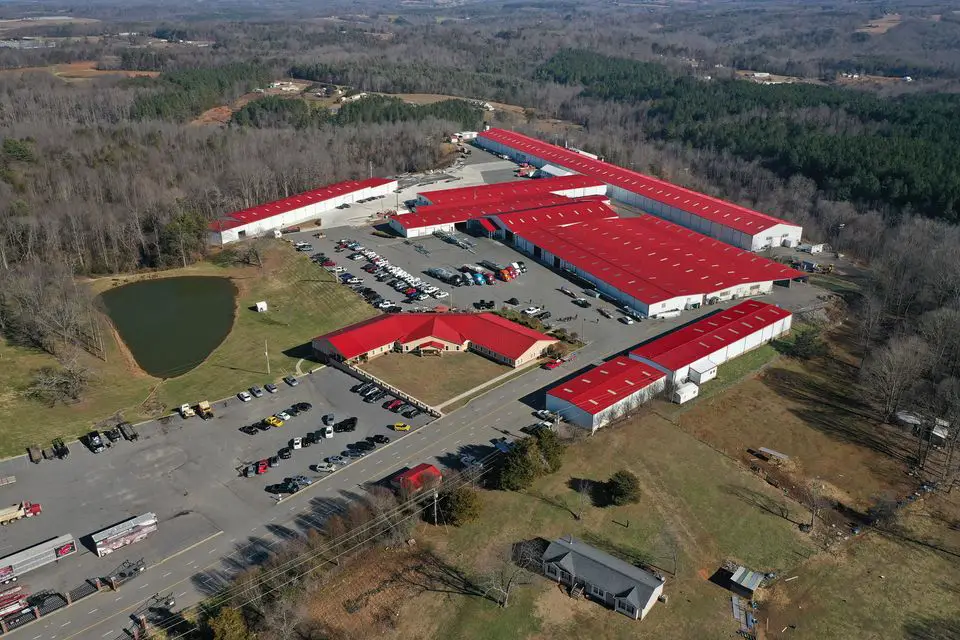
(619, 585)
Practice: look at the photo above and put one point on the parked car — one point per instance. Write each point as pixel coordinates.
(94, 442)
(543, 315)
(296, 443)
(113, 435)
(393, 405)
(338, 460)
(625, 320)
(553, 364)
(543, 414)
(263, 466)
(290, 380)
(270, 387)
(244, 396)
(250, 430)
(530, 311)
(303, 407)
(583, 303)
(512, 301)
(292, 411)
(605, 313)
(285, 454)
(381, 439)
(344, 426)
(127, 429)
(363, 445)
(256, 391)
(325, 467)
(274, 461)
(411, 413)
(401, 426)
(274, 421)
(328, 419)
(353, 453)
(283, 415)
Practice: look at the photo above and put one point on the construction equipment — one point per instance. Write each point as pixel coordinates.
(60, 449)
(18, 511)
(36, 456)
(205, 410)
(186, 411)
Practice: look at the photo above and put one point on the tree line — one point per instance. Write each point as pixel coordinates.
(277, 111)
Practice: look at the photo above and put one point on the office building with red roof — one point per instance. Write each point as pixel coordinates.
(309, 205)
(736, 225)
(645, 263)
(693, 353)
(605, 392)
(434, 334)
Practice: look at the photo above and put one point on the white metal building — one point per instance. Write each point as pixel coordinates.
(310, 205)
(605, 392)
(694, 352)
(718, 219)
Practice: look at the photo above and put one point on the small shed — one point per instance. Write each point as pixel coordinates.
(262, 306)
(685, 392)
(703, 371)
(745, 581)
(811, 248)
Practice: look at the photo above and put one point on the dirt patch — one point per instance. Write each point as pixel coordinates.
(557, 609)
(221, 115)
(435, 379)
(47, 21)
(79, 71)
(881, 26)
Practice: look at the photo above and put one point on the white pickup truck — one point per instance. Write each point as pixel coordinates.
(186, 411)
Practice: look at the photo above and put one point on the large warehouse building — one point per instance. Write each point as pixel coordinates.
(605, 392)
(730, 223)
(430, 218)
(310, 205)
(574, 186)
(645, 263)
(694, 352)
(435, 334)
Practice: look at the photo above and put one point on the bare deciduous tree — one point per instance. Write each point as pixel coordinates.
(892, 370)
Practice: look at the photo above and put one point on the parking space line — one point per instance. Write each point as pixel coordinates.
(147, 584)
(104, 635)
(92, 612)
(166, 574)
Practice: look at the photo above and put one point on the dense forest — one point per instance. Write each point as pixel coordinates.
(891, 153)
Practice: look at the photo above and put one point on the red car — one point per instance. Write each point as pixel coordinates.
(263, 466)
(393, 405)
(553, 365)
(328, 263)
(410, 292)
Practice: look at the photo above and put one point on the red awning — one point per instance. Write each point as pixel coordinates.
(487, 225)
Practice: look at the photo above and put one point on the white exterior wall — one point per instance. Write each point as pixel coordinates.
(781, 235)
(420, 231)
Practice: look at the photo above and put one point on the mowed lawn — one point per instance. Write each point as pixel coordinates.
(435, 379)
(698, 508)
(304, 301)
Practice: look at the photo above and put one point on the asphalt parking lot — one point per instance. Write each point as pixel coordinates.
(539, 286)
(188, 472)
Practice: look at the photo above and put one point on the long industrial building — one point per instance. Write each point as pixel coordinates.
(605, 392)
(718, 219)
(303, 207)
(693, 353)
(645, 263)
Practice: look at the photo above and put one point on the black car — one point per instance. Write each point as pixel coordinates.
(250, 430)
(349, 424)
(545, 315)
(513, 301)
(303, 407)
(293, 411)
(310, 438)
(113, 434)
(363, 445)
(380, 439)
(285, 453)
(583, 303)
(263, 425)
(411, 413)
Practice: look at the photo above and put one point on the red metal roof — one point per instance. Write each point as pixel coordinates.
(432, 215)
(654, 260)
(726, 213)
(416, 477)
(505, 191)
(571, 212)
(277, 207)
(603, 386)
(487, 330)
(702, 338)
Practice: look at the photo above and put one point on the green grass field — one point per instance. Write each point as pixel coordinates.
(304, 301)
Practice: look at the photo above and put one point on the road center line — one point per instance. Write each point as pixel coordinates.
(92, 612)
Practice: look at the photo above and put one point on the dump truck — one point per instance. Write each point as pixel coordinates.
(18, 511)
(186, 411)
(205, 410)
(36, 456)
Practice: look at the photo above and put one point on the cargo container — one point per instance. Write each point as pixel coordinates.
(17, 564)
(128, 532)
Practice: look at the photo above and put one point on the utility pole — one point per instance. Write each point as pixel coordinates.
(266, 355)
(435, 495)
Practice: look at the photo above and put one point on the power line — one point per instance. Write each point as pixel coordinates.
(307, 556)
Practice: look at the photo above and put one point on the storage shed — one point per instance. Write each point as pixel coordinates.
(685, 392)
